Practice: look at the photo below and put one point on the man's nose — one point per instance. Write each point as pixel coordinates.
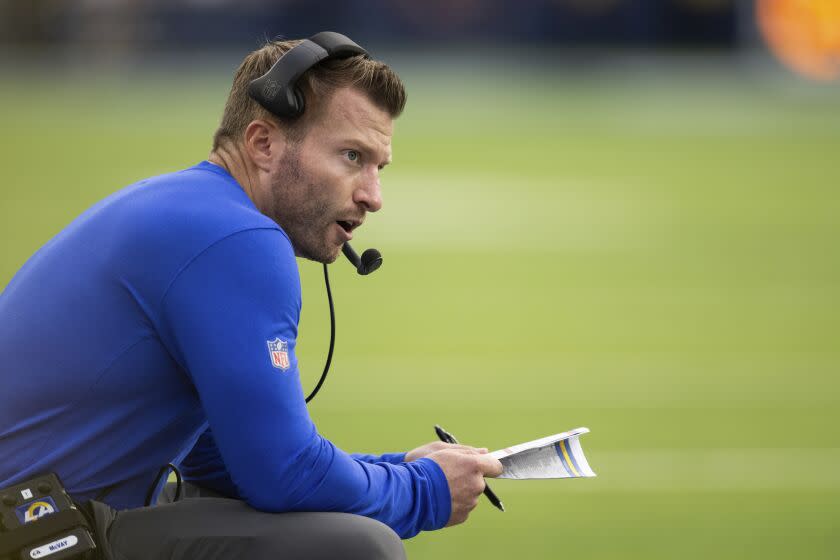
(369, 193)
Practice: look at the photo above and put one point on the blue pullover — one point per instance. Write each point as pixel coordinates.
(160, 326)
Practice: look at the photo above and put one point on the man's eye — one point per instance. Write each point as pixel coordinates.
(352, 155)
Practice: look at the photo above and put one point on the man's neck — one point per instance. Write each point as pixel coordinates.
(232, 161)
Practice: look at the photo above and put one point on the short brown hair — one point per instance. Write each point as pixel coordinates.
(376, 79)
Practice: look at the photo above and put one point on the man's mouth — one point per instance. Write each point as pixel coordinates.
(349, 225)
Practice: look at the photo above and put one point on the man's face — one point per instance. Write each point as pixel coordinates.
(323, 186)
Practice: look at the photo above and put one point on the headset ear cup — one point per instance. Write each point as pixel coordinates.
(276, 90)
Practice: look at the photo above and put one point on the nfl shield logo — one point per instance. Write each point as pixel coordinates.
(279, 352)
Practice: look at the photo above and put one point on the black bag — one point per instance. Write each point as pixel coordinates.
(38, 519)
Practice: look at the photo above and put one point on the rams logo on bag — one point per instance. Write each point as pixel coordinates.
(27, 513)
(279, 352)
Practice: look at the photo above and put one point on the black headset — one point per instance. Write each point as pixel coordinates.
(278, 93)
(277, 90)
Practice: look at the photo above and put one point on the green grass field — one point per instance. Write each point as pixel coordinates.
(655, 259)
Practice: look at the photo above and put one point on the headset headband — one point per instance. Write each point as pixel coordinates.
(277, 90)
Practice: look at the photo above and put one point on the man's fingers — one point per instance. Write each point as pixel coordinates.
(490, 466)
(466, 449)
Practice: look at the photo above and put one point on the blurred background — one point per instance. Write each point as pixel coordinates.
(607, 213)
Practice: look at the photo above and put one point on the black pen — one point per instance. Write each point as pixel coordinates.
(445, 436)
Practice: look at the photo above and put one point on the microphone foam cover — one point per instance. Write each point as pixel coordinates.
(371, 260)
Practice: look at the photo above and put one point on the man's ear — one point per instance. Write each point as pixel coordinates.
(264, 142)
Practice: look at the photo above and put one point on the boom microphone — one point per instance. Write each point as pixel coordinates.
(370, 260)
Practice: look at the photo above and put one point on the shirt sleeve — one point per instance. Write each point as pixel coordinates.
(204, 466)
(230, 319)
(393, 458)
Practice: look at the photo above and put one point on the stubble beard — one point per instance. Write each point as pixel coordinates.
(296, 208)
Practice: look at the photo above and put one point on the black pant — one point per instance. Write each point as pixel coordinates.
(204, 527)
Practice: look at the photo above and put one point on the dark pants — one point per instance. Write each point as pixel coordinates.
(204, 527)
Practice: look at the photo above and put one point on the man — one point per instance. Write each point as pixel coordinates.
(160, 327)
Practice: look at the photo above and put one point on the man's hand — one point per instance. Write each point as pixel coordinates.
(465, 471)
(429, 448)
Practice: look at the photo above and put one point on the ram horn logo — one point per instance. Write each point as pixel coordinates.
(37, 510)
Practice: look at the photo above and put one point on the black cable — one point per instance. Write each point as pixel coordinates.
(163, 471)
(178, 482)
(332, 337)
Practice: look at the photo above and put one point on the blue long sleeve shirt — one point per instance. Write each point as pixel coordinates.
(160, 326)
